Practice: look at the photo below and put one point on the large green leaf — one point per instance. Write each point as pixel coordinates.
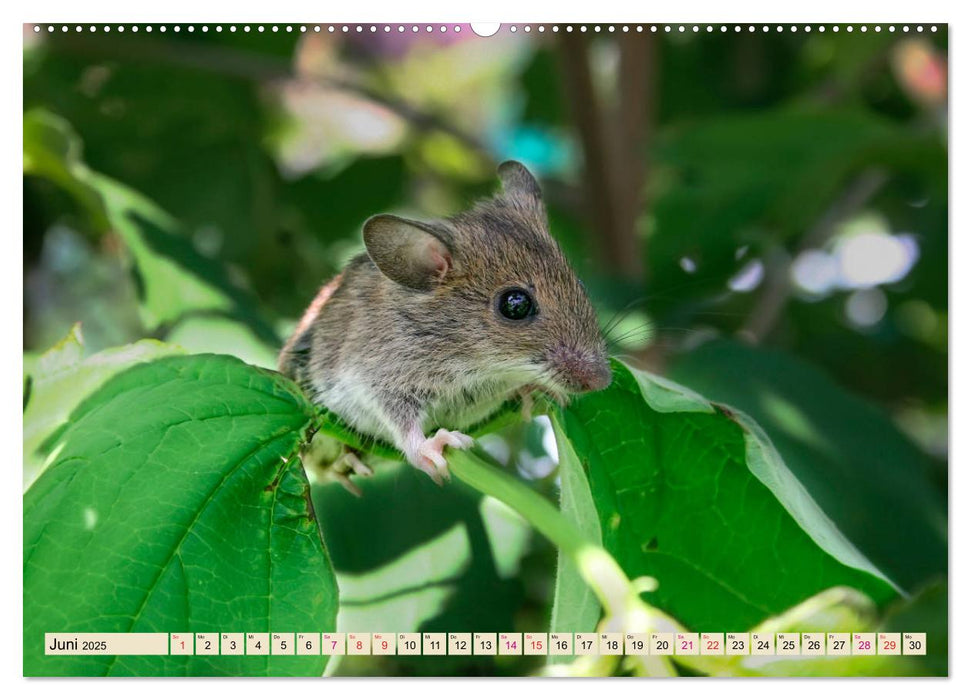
(861, 470)
(695, 495)
(56, 382)
(175, 504)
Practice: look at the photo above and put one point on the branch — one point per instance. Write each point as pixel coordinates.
(601, 189)
(635, 115)
(624, 609)
(615, 142)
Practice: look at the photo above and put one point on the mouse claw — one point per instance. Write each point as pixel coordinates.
(355, 463)
(349, 485)
(345, 465)
(429, 453)
(434, 455)
(426, 466)
(454, 438)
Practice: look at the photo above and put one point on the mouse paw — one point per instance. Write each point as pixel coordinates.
(350, 462)
(341, 469)
(429, 457)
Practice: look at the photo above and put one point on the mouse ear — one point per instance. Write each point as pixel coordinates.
(409, 252)
(521, 187)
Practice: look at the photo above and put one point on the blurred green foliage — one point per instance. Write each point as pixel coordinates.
(197, 188)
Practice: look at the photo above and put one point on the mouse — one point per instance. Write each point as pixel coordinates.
(440, 322)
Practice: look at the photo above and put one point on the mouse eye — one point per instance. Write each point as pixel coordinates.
(516, 304)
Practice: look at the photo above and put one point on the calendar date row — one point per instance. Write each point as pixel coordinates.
(490, 644)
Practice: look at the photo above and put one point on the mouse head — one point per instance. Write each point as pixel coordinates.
(496, 273)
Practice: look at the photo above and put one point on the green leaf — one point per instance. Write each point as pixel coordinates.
(191, 139)
(868, 478)
(164, 259)
(172, 277)
(223, 336)
(575, 607)
(53, 151)
(695, 495)
(176, 503)
(65, 353)
(846, 611)
(60, 378)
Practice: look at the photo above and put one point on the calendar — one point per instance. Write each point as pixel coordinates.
(373, 348)
(807, 644)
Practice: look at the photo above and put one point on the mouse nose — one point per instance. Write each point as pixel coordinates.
(581, 371)
(596, 376)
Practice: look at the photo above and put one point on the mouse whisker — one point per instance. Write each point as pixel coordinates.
(643, 331)
(633, 337)
(618, 317)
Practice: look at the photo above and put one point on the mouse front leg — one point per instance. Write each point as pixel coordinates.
(425, 453)
(405, 416)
